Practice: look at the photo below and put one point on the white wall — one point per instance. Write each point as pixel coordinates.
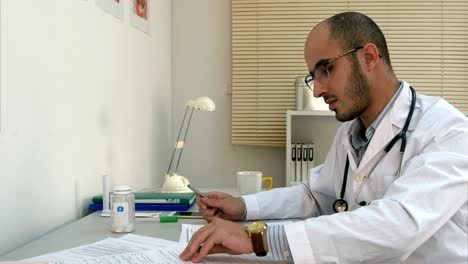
(202, 66)
(82, 94)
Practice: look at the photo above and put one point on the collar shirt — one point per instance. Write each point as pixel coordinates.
(357, 141)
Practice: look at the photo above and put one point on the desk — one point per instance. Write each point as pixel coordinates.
(93, 228)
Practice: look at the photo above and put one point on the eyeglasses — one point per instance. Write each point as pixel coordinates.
(321, 72)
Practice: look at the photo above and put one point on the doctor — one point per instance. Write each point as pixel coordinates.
(393, 187)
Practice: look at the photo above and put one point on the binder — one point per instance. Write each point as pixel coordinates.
(292, 162)
(298, 162)
(158, 198)
(305, 155)
(310, 157)
(148, 207)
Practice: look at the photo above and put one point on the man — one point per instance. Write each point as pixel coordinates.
(367, 203)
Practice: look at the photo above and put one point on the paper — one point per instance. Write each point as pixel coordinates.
(146, 242)
(188, 230)
(114, 7)
(155, 256)
(136, 249)
(170, 254)
(110, 246)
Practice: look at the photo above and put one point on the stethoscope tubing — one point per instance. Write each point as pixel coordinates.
(401, 135)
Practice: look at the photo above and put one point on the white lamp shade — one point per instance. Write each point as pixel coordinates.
(202, 103)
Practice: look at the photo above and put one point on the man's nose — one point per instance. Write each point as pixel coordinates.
(319, 89)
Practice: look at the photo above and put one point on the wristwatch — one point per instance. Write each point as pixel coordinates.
(256, 231)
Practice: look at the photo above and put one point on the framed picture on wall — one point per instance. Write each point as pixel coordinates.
(139, 14)
(114, 7)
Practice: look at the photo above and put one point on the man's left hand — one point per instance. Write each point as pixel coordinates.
(219, 236)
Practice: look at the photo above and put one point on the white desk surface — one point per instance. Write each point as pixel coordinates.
(93, 228)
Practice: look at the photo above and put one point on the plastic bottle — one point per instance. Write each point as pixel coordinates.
(122, 210)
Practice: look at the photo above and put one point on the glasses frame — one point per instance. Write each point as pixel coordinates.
(326, 63)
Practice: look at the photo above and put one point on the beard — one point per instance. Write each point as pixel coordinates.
(358, 92)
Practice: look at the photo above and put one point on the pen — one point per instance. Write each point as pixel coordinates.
(157, 216)
(168, 218)
(195, 190)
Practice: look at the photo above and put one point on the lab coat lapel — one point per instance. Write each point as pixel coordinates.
(348, 147)
(389, 127)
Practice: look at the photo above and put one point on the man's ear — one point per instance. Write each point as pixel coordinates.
(371, 55)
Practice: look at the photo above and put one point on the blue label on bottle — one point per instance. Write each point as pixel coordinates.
(120, 216)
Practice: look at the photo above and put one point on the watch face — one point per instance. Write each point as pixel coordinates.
(256, 227)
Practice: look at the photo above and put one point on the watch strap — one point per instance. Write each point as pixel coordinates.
(257, 234)
(257, 244)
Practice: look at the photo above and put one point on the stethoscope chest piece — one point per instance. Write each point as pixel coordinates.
(340, 205)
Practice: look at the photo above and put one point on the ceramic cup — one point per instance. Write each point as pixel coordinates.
(250, 182)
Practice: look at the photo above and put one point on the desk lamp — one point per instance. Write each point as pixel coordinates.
(174, 182)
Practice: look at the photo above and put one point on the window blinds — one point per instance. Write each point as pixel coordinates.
(427, 40)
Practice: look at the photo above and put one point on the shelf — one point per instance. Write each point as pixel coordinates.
(317, 127)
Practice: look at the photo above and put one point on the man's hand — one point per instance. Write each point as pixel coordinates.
(221, 205)
(219, 236)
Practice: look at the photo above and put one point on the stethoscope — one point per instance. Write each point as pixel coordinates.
(340, 205)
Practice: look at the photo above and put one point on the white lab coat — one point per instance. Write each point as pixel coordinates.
(420, 217)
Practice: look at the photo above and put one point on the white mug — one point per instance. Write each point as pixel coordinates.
(250, 182)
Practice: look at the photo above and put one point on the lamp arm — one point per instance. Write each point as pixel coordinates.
(177, 141)
(185, 136)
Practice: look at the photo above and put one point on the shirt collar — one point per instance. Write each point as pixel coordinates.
(356, 140)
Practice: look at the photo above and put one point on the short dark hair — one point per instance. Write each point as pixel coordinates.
(353, 29)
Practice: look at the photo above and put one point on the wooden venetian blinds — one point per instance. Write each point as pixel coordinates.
(427, 39)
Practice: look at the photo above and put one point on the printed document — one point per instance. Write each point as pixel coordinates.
(110, 246)
(171, 255)
(136, 249)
